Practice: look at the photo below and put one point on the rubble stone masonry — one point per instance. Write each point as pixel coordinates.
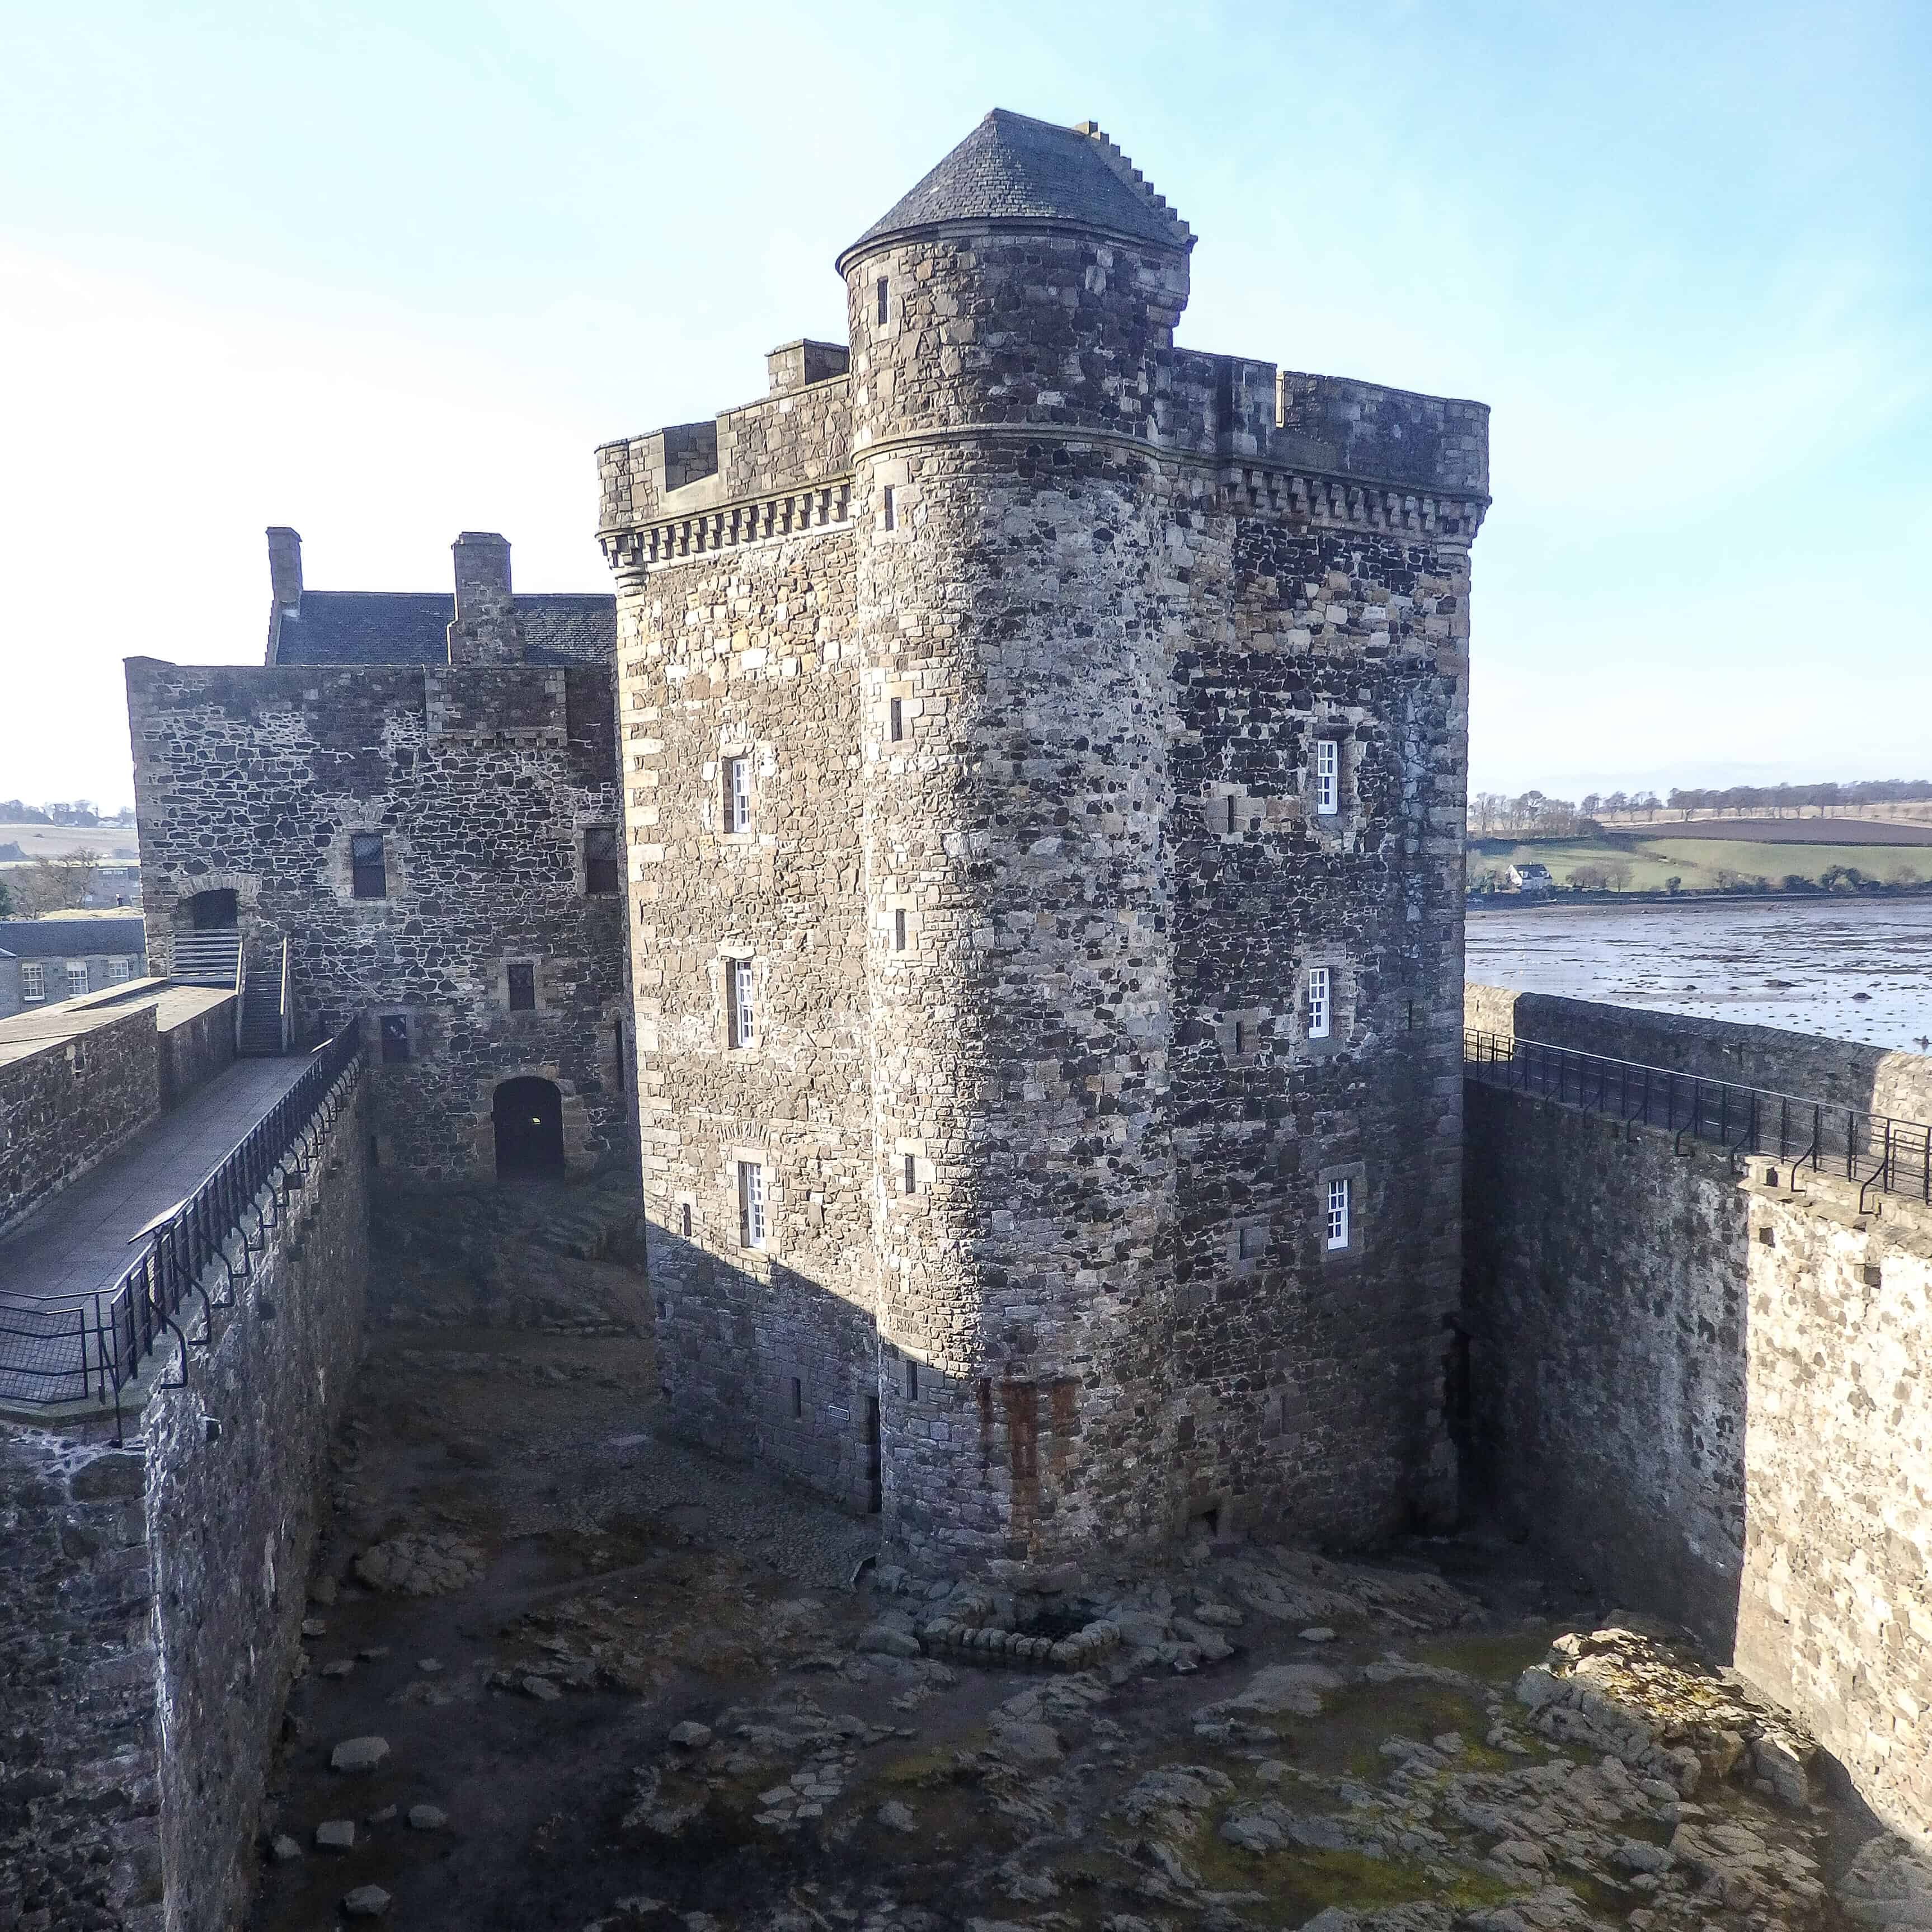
(1030, 625)
(1707, 1390)
(482, 781)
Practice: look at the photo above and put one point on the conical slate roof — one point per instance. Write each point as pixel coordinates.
(1011, 168)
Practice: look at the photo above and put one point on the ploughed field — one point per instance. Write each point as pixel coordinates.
(561, 1675)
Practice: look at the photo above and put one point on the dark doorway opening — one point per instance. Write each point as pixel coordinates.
(213, 911)
(528, 1115)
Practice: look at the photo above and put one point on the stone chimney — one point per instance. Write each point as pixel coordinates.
(285, 567)
(486, 630)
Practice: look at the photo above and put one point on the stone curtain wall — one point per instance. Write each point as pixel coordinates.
(1841, 1073)
(66, 1103)
(1711, 1394)
(196, 1047)
(743, 654)
(481, 780)
(151, 1598)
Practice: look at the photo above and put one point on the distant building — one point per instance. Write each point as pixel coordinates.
(1533, 880)
(43, 962)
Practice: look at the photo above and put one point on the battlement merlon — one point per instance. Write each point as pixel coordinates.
(1214, 409)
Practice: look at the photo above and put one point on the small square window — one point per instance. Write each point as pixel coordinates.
(881, 301)
(898, 928)
(899, 721)
(751, 1203)
(1339, 1192)
(522, 977)
(33, 982)
(120, 969)
(368, 869)
(1327, 777)
(1319, 1003)
(684, 1219)
(740, 1021)
(395, 1037)
(601, 873)
(892, 508)
(737, 794)
(1253, 1243)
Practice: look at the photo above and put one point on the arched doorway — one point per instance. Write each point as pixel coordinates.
(528, 1116)
(213, 911)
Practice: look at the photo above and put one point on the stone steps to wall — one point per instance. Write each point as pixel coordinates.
(261, 1015)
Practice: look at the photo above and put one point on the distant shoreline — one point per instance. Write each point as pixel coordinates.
(1517, 902)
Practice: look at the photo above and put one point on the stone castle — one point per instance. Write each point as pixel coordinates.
(1044, 757)
(995, 868)
(1041, 751)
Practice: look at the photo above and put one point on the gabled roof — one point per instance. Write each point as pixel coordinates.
(409, 627)
(1011, 168)
(58, 938)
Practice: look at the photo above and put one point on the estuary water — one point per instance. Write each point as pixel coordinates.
(1847, 969)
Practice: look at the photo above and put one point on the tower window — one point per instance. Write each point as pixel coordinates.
(797, 1397)
(368, 870)
(741, 1023)
(1319, 1003)
(898, 928)
(1241, 1038)
(1253, 1243)
(891, 509)
(751, 1203)
(395, 1038)
(737, 794)
(1327, 777)
(912, 1380)
(684, 1219)
(1338, 1214)
(521, 979)
(898, 720)
(880, 303)
(600, 859)
(1231, 811)
(911, 1174)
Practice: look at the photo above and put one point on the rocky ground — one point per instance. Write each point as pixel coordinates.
(563, 1674)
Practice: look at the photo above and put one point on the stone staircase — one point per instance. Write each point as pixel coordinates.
(261, 1033)
(206, 958)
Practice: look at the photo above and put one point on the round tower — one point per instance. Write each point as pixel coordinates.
(1009, 320)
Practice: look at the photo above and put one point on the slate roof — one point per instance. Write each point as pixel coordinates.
(71, 938)
(1011, 168)
(409, 627)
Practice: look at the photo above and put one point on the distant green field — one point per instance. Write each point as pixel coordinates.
(1702, 864)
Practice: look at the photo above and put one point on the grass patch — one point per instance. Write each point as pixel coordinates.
(1309, 1881)
(1646, 864)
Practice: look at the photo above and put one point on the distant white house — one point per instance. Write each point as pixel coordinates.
(1532, 880)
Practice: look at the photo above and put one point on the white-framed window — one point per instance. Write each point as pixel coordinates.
(751, 1203)
(740, 1021)
(119, 968)
(76, 978)
(1320, 1004)
(737, 794)
(1327, 777)
(1339, 1192)
(33, 982)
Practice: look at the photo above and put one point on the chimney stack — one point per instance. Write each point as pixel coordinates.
(486, 630)
(285, 567)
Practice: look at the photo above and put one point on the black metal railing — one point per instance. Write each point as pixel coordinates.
(1882, 1155)
(89, 1347)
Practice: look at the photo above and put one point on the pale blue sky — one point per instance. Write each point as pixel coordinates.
(386, 273)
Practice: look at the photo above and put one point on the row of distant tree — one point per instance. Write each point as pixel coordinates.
(1534, 815)
(76, 811)
(61, 884)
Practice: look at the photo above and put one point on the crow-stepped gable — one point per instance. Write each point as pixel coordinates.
(1043, 751)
